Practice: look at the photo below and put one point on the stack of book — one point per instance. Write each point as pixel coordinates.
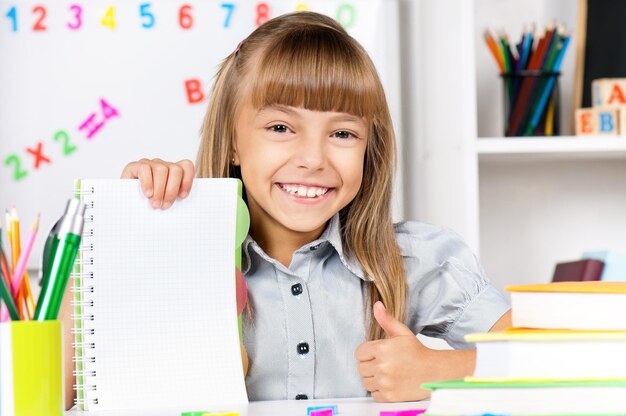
(566, 354)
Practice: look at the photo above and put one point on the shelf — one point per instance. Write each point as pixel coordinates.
(550, 148)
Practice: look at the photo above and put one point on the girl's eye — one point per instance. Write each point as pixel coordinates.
(344, 134)
(279, 128)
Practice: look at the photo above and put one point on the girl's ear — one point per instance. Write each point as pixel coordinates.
(235, 159)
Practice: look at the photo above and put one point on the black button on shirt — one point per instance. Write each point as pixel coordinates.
(296, 289)
(301, 397)
(303, 348)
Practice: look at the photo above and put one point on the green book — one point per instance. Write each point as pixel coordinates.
(596, 397)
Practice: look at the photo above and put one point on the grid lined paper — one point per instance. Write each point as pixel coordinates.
(164, 307)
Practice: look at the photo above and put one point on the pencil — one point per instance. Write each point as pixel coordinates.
(25, 293)
(4, 312)
(20, 268)
(495, 50)
(528, 84)
(19, 301)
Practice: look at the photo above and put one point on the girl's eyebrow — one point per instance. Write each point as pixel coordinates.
(349, 118)
(340, 117)
(277, 107)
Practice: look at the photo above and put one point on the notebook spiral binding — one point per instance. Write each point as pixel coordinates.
(82, 303)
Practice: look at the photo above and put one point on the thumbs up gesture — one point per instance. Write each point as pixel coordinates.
(393, 369)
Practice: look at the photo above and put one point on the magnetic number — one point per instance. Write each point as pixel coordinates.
(147, 15)
(184, 18)
(109, 18)
(18, 172)
(262, 13)
(346, 15)
(302, 7)
(78, 19)
(42, 15)
(68, 148)
(12, 14)
(230, 7)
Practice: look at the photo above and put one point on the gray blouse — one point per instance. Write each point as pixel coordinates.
(307, 319)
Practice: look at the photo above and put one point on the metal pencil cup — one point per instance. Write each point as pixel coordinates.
(31, 381)
(531, 103)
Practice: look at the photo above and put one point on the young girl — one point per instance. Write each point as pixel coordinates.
(336, 291)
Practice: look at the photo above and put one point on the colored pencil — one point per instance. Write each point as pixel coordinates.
(543, 99)
(25, 293)
(495, 50)
(19, 301)
(19, 271)
(520, 108)
(4, 311)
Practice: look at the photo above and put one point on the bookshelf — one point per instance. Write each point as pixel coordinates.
(550, 148)
(523, 204)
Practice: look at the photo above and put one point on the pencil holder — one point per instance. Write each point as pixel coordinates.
(30, 368)
(531, 103)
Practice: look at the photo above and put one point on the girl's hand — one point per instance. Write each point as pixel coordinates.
(162, 182)
(394, 368)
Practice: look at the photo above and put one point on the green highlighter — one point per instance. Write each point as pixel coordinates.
(62, 249)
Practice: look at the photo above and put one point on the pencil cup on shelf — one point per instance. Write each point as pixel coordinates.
(30, 368)
(531, 103)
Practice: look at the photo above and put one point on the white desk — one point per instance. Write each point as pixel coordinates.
(346, 407)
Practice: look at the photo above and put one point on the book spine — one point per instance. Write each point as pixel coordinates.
(82, 304)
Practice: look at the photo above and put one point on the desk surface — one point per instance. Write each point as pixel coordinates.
(345, 407)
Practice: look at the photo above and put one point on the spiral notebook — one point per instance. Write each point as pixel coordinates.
(154, 298)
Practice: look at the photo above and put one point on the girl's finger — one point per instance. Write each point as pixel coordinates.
(145, 179)
(130, 171)
(188, 174)
(172, 187)
(370, 384)
(365, 351)
(367, 368)
(160, 172)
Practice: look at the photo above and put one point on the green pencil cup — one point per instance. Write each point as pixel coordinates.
(31, 381)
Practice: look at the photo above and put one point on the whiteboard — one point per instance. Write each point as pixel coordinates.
(87, 86)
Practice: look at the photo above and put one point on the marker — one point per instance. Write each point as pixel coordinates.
(62, 255)
(321, 410)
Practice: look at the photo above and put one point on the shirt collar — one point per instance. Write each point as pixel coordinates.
(332, 235)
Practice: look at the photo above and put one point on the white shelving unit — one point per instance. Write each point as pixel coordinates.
(523, 204)
(562, 147)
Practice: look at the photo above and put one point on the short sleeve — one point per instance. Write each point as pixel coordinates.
(449, 295)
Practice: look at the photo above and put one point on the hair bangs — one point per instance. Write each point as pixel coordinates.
(316, 69)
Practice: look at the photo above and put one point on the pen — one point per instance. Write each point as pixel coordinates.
(62, 254)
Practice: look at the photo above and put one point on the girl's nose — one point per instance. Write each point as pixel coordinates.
(310, 152)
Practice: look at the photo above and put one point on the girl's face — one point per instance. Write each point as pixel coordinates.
(299, 167)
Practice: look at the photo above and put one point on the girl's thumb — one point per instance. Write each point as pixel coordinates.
(389, 324)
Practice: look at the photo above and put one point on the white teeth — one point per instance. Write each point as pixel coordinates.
(304, 191)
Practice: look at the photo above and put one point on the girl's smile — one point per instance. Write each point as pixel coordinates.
(305, 194)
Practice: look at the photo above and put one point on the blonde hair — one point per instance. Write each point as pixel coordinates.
(308, 60)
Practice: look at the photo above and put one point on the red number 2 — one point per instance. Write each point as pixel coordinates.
(42, 15)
